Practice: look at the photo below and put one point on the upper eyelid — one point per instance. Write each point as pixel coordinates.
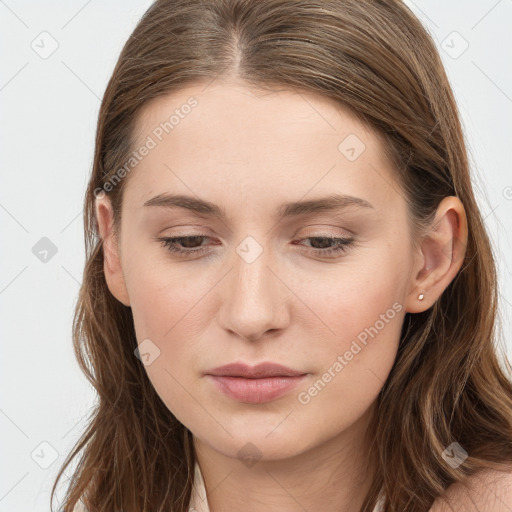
(319, 233)
(321, 226)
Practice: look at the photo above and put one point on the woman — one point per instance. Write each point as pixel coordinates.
(289, 299)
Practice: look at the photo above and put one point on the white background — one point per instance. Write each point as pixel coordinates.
(48, 118)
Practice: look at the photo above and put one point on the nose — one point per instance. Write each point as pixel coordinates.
(254, 299)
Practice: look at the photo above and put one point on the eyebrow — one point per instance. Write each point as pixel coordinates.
(333, 202)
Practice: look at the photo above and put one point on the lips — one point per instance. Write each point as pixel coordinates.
(255, 384)
(259, 371)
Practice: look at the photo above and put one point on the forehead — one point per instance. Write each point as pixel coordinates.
(229, 139)
(229, 106)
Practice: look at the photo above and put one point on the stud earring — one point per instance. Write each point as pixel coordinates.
(420, 296)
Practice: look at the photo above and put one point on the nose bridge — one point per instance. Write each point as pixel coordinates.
(253, 299)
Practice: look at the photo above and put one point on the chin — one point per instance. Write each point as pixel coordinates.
(257, 444)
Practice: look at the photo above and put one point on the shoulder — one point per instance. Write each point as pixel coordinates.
(489, 491)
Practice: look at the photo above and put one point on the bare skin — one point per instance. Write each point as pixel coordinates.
(249, 152)
(486, 491)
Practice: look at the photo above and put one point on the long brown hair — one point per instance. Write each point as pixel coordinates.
(375, 58)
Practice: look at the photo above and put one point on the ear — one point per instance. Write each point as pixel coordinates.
(441, 255)
(111, 253)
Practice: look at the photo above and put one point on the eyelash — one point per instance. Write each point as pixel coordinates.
(344, 244)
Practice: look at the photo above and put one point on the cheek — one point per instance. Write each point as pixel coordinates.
(362, 318)
(358, 300)
(352, 367)
(165, 299)
(166, 316)
(352, 364)
(168, 310)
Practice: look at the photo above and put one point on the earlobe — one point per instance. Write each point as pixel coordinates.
(442, 254)
(111, 254)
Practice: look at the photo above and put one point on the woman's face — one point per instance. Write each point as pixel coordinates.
(264, 287)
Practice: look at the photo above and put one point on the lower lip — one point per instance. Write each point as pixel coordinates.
(256, 391)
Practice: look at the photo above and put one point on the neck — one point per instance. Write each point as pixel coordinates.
(333, 476)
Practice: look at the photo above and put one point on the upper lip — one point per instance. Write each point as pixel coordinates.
(259, 371)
